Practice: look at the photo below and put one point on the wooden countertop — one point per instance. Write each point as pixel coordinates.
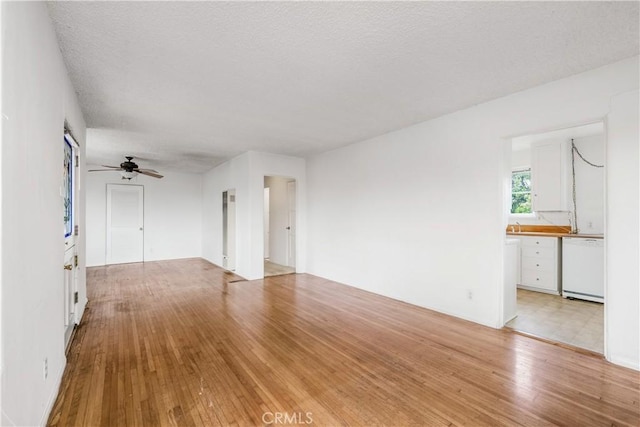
(547, 231)
(538, 233)
(547, 234)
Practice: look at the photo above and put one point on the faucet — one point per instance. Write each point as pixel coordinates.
(519, 227)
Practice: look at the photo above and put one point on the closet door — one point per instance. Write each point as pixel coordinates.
(125, 223)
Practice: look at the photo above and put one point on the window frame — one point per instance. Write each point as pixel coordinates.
(526, 168)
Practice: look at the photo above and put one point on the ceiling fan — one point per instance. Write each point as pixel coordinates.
(128, 169)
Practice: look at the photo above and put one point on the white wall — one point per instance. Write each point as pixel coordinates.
(172, 215)
(231, 175)
(245, 174)
(418, 214)
(278, 218)
(37, 97)
(589, 185)
(413, 215)
(622, 306)
(521, 158)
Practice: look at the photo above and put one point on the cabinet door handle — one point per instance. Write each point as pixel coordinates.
(538, 279)
(537, 243)
(537, 252)
(537, 265)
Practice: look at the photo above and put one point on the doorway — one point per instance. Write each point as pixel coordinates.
(557, 199)
(125, 224)
(229, 229)
(279, 225)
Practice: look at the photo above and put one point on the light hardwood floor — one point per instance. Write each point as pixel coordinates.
(176, 343)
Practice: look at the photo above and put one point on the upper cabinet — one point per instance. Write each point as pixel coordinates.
(548, 176)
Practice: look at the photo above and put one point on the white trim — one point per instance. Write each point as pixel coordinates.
(52, 398)
(521, 169)
(605, 210)
(627, 363)
(71, 139)
(531, 215)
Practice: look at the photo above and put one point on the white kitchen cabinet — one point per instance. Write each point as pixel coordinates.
(549, 176)
(540, 264)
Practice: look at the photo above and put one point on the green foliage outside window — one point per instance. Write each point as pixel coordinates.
(521, 192)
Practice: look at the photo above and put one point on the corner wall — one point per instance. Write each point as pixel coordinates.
(37, 98)
(419, 214)
(622, 306)
(233, 174)
(172, 215)
(245, 174)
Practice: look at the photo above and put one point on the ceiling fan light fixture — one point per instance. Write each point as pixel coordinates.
(128, 175)
(128, 169)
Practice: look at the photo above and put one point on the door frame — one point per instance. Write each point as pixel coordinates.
(70, 259)
(229, 234)
(506, 163)
(265, 222)
(281, 256)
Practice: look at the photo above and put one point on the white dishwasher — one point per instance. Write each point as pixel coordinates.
(583, 268)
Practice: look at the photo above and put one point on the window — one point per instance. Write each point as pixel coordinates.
(521, 191)
(67, 185)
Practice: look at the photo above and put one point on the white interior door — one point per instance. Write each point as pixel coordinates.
(291, 228)
(70, 197)
(229, 230)
(69, 293)
(125, 223)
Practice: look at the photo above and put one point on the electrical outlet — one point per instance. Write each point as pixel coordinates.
(46, 368)
(469, 294)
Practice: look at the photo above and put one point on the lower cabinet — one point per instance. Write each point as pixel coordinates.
(540, 264)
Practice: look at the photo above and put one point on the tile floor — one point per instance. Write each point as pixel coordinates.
(575, 322)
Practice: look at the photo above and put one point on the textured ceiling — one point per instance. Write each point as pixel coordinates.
(188, 85)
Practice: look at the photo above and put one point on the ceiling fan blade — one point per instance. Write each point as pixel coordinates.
(146, 172)
(104, 170)
(112, 167)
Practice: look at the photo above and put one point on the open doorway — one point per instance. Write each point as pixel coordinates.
(229, 229)
(556, 223)
(279, 225)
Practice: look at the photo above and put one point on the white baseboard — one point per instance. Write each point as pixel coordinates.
(627, 363)
(52, 399)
